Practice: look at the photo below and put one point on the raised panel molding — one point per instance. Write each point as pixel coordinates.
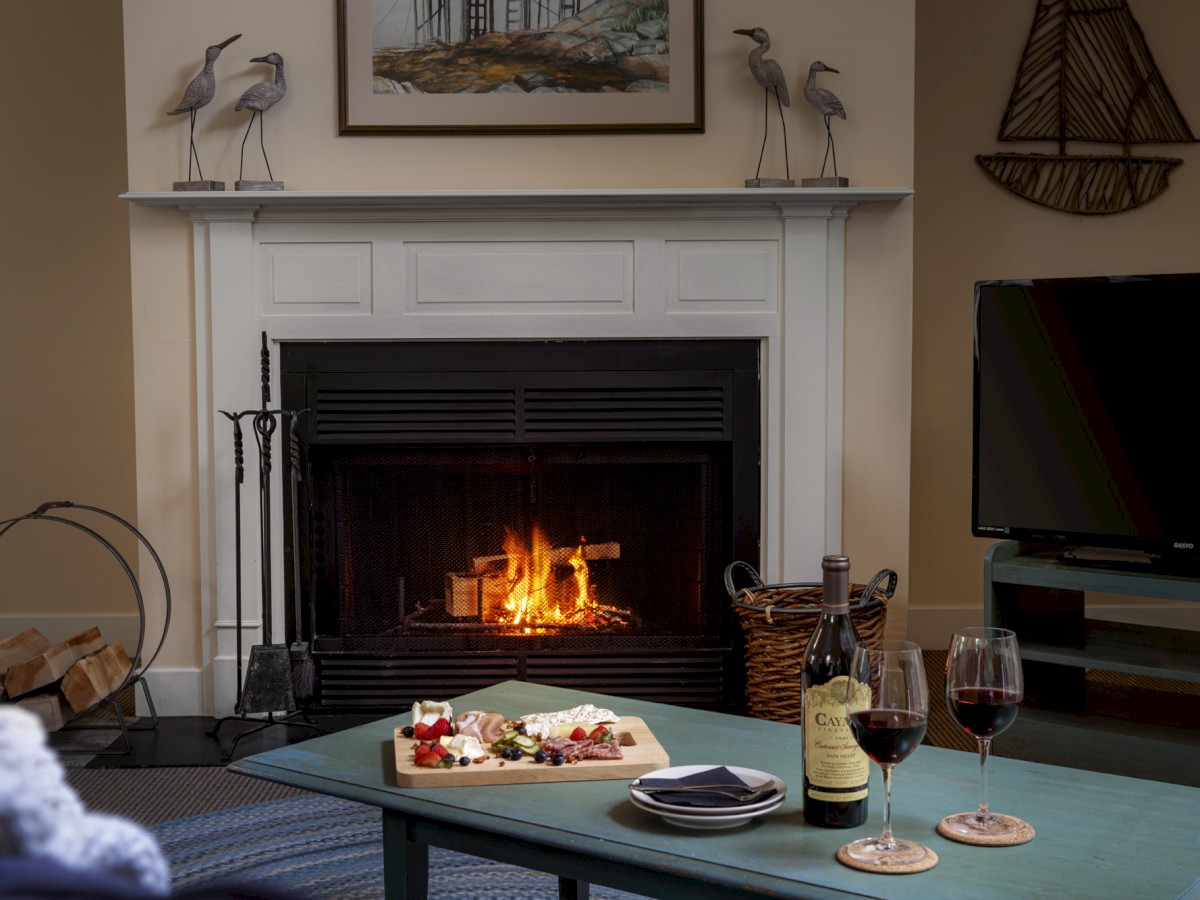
(499, 277)
(723, 276)
(315, 278)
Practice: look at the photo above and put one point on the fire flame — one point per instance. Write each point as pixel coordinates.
(538, 592)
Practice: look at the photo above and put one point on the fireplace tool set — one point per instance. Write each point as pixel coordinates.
(276, 673)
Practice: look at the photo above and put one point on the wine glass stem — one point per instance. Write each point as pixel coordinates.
(985, 746)
(886, 840)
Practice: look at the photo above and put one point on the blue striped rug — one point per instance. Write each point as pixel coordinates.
(328, 849)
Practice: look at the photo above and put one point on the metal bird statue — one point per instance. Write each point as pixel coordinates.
(827, 105)
(199, 93)
(258, 99)
(769, 74)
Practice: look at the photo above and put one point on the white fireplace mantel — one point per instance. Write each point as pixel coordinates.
(762, 264)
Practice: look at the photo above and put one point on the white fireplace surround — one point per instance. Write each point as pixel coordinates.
(510, 265)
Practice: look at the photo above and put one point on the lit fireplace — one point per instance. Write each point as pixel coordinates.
(494, 510)
(415, 268)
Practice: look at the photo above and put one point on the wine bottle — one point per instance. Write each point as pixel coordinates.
(835, 767)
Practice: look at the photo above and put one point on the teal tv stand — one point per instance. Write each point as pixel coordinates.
(1104, 723)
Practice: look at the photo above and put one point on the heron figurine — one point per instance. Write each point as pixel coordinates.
(828, 105)
(769, 74)
(198, 94)
(258, 99)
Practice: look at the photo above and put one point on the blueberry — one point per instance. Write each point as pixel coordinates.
(464, 760)
(449, 757)
(540, 756)
(558, 759)
(407, 731)
(517, 753)
(520, 728)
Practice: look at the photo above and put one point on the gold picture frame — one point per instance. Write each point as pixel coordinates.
(519, 67)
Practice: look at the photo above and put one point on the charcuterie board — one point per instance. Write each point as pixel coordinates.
(642, 753)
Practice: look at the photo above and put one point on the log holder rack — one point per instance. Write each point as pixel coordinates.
(137, 671)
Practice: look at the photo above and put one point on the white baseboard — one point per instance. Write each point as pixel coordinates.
(175, 692)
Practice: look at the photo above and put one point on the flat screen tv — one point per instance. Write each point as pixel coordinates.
(1085, 415)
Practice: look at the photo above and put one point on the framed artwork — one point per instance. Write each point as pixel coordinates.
(520, 66)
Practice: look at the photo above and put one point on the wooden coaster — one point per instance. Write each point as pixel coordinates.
(1023, 835)
(930, 860)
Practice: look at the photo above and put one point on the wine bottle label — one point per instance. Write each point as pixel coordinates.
(836, 767)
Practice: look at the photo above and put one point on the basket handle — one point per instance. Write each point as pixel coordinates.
(869, 590)
(729, 571)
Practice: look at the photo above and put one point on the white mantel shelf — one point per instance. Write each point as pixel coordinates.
(542, 201)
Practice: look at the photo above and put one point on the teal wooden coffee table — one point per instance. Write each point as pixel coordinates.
(1098, 835)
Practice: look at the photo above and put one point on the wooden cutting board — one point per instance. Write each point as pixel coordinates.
(643, 753)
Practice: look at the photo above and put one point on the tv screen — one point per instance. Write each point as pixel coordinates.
(1085, 411)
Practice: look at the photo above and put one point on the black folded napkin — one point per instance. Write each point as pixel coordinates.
(718, 775)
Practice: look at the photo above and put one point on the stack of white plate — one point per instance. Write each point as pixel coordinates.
(708, 818)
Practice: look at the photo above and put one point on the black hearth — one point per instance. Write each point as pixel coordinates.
(559, 512)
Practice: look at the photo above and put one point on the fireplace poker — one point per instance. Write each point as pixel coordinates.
(303, 666)
(239, 470)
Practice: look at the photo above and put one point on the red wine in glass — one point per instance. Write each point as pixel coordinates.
(887, 703)
(984, 689)
(888, 736)
(983, 712)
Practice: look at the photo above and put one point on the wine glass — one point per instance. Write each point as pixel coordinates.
(984, 688)
(887, 703)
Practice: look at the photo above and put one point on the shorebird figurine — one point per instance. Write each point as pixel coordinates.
(258, 99)
(199, 93)
(828, 105)
(769, 74)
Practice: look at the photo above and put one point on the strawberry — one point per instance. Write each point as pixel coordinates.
(600, 734)
(428, 760)
(441, 728)
(423, 732)
(578, 734)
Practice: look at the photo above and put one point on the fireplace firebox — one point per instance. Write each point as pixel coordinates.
(559, 512)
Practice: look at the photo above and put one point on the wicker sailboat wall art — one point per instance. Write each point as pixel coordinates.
(1087, 75)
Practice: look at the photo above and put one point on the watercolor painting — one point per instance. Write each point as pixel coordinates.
(519, 66)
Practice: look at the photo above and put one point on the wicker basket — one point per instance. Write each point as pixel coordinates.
(777, 621)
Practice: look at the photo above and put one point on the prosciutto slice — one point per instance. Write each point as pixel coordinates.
(485, 727)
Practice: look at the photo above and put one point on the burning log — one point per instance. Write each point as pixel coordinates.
(475, 595)
(559, 556)
(532, 586)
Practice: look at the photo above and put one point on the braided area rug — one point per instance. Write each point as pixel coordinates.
(324, 848)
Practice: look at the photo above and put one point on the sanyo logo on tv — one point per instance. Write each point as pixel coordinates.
(1184, 545)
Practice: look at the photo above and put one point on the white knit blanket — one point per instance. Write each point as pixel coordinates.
(42, 818)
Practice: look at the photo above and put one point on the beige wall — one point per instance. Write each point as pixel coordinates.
(165, 41)
(66, 358)
(969, 228)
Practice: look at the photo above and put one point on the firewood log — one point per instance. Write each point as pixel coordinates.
(20, 647)
(49, 706)
(93, 678)
(39, 670)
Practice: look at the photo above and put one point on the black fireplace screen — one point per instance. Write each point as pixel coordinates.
(509, 509)
(564, 541)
